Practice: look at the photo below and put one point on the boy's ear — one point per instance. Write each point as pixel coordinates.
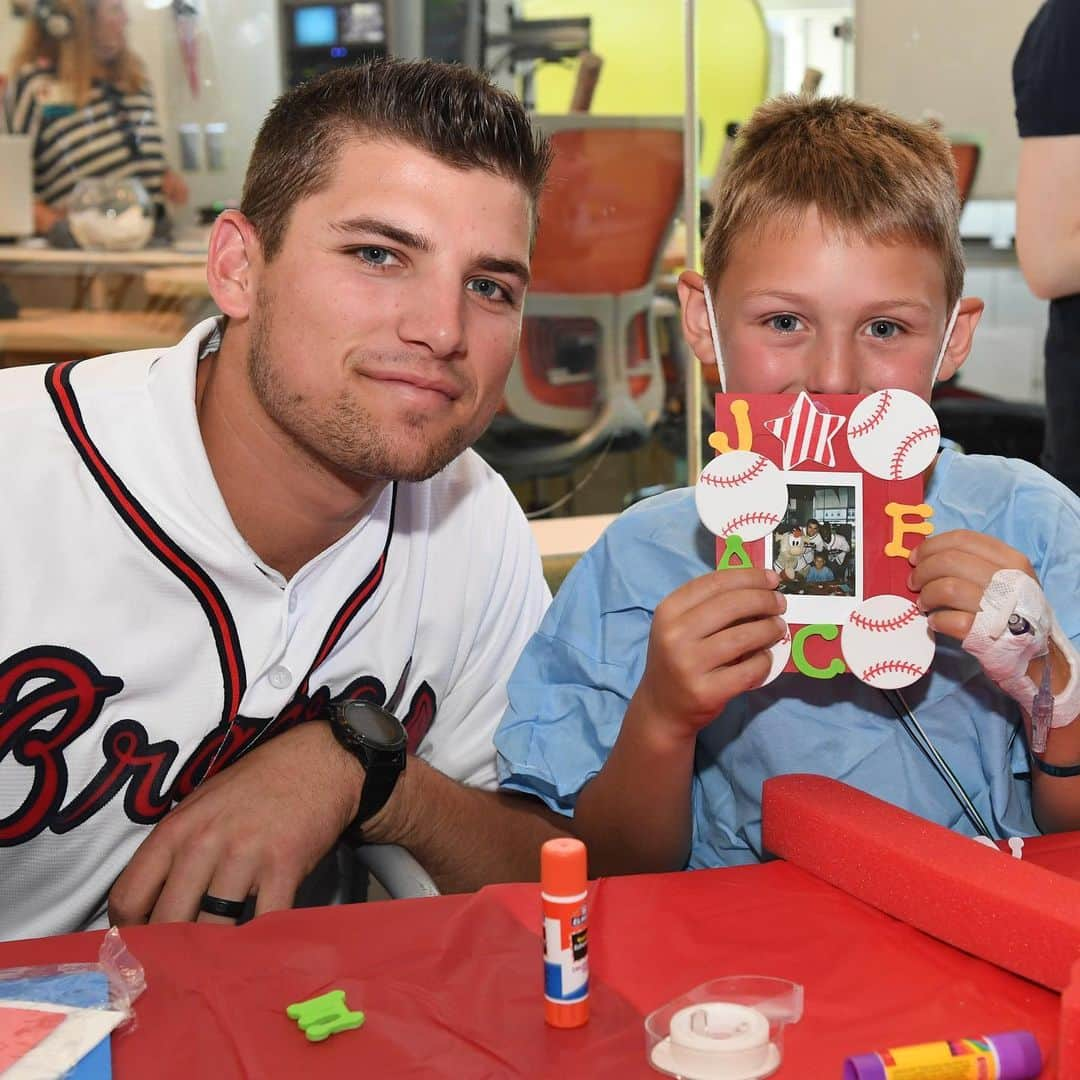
(695, 317)
(971, 309)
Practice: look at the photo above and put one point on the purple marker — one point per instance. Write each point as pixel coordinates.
(1013, 1055)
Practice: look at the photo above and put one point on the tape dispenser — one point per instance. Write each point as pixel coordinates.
(724, 1029)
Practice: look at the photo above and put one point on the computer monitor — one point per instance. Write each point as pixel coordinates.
(16, 186)
(321, 36)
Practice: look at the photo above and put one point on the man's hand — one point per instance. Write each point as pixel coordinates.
(709, 642)
(951, 573)
(256, 829)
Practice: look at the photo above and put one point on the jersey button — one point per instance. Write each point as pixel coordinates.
(280, 677)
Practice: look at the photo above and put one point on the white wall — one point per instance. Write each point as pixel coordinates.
(954, 57)
(239, 76)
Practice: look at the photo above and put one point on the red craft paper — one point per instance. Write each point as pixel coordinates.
(22, 1029)
(880, 574)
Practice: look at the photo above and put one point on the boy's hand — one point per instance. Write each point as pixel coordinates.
(709, 642)
(951, 573)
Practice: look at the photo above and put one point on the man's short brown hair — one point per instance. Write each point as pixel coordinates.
(868, 173)
(449, 111)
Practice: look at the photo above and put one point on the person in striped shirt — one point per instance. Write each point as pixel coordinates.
(84, 97)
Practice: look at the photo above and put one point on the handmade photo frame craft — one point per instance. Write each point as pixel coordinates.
(827, 490)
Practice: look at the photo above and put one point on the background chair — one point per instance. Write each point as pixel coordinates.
(588, 369)
(966, 155)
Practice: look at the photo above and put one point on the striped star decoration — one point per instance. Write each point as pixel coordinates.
(806, 433)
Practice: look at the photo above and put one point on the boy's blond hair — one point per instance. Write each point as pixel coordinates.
(870, 175)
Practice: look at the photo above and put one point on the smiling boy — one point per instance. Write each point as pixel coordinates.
(834, 263)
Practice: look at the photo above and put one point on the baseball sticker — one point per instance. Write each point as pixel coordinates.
(893, 434)
(780, 653)
(887, 642)
(741, 494)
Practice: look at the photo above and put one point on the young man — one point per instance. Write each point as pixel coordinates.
(835, 261)
(208, 548)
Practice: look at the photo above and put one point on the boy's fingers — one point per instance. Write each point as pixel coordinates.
(955, 564)
(954, 624)
(716, 583)
(736, 643)
(951, 594)
(989, 549)
(717, 613)
(747, 674)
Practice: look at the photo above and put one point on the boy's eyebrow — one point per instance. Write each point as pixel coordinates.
(799, 298)
(903, 302)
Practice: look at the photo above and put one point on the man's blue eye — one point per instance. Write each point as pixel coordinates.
(490, 290)
(786, 324)
(377, 256)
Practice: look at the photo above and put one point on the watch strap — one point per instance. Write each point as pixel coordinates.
(380, 777)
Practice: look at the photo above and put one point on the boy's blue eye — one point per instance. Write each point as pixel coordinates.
(785, 324)
(883, 329)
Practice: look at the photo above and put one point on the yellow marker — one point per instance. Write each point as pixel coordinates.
(895, 547)
(740, 409)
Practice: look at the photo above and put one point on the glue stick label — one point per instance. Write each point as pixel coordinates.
(964, 1059)
(566, 948)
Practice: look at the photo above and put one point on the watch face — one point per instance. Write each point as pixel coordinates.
(373, 724)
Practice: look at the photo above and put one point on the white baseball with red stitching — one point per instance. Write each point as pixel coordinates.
(779, 655)
(741, 494)
(887, 642)
(893, 434)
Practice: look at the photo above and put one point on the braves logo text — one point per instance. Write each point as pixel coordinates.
(50, 696)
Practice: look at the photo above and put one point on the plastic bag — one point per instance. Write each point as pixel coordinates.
(91, 1001)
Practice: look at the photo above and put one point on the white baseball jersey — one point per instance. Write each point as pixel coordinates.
(144, 645)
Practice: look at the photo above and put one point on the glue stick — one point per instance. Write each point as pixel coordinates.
(564, 893)
(1012, 1056)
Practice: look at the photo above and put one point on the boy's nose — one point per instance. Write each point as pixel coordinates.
(834, 370)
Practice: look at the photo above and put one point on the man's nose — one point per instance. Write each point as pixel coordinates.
(434, 318)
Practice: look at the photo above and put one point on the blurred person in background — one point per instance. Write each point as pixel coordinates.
(85, 98)
(1046, 84)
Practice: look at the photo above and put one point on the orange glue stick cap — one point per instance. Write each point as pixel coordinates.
(563, 867)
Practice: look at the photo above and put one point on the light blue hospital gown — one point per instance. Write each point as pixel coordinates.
(572, 684)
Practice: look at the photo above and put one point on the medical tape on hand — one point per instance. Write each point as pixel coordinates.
(1013, 601)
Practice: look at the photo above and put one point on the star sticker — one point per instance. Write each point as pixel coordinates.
(807, 432)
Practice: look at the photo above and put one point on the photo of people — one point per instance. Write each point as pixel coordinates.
(815, 549)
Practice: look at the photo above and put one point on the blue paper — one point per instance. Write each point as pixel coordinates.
(82, 989)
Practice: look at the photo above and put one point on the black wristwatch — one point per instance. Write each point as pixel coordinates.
(376, 738)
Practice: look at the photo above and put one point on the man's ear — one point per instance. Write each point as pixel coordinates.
(971, 309)
(232, 264)
(695, 317)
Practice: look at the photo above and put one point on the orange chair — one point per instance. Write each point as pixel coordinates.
(966, 155)
(588, 368)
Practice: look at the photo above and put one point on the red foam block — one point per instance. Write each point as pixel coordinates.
(1017, 915)
(1069, 1032)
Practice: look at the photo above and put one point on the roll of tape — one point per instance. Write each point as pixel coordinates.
(717, 1039)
